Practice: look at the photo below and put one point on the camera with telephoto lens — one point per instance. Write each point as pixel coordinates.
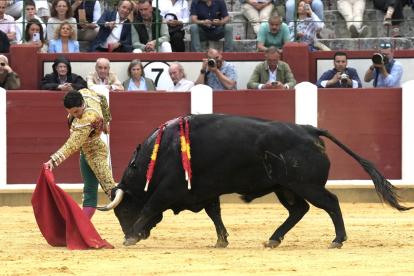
(211, 62)
(379, 58)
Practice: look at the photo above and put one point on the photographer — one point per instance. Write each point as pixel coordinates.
(385, 71)
(340, 75)
(217, 73)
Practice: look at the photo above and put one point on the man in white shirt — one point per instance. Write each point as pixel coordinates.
(115, 32)
(30, 14)
(178, 77)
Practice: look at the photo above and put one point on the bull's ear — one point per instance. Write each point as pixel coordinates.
(134, 156)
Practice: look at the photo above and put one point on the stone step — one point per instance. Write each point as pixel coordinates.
(333, 4)
(335, 24)
(238, 45)
(403, 43)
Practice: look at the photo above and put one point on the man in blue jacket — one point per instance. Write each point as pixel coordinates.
(115, 31)
(341, 75)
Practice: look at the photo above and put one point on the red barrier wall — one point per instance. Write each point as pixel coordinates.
(36, 124)
(368, 121)
(273, 105)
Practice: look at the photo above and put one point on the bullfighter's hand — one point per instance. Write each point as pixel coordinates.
(50, 165)
(105, 128)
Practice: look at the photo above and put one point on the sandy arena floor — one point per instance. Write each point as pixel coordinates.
(380, 243)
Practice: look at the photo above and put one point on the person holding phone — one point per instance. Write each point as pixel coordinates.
(307, 26)
(210, 20)
(33, 35)
(272, 73)
(30, 13)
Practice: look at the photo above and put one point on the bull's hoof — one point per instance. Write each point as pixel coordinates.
(273, 244)
(131, 241)
(221, 244)
(335, 245)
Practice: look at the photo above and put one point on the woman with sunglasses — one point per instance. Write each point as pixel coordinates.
(35, 27)
(393, 14)
(64, 40)
(60, 11)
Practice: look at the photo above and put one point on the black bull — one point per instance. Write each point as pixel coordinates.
(232, 154)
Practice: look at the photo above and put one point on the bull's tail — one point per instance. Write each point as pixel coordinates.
(385, 190)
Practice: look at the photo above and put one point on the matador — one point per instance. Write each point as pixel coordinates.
(88, 117)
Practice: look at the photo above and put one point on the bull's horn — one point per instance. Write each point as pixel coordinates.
(119, 194)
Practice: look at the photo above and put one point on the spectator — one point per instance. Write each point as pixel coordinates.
(388, 73)
(62, 77)
(137, 79)
(393, 13)
(9, 80)
(143, 33)
(272, 73)
(178, 77)
(307, 25)
(221, 75)
(210, 20)
(274, 33)
(316, 5)
(43, 10)
(102, 76)
(115, 30)
(64, 39)
(8, 29)
(333, 78)
(353, 12)
(34, 27)
(61, 11)
(14, 8)
(30, 13)
(256, 11)
(87, 30)
(4, 43)
(177, 16)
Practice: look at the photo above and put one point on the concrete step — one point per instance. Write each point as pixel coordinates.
(333, 4)
(238, 45)
(84, 46)
(403, 43)
(335, 24)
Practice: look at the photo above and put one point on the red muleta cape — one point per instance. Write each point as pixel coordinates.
(60, 219)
